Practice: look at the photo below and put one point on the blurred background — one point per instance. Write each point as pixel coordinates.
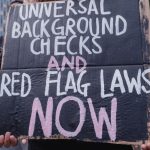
(4, 6)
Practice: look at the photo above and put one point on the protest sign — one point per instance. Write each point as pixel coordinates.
(78, 69)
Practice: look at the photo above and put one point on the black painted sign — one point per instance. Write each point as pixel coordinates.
(76, 69)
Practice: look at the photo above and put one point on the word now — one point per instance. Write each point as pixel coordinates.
(98, 122)
(75, 62)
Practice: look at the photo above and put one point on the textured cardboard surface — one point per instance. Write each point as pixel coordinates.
(121, 62)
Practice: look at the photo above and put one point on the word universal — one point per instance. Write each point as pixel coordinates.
(116, 25)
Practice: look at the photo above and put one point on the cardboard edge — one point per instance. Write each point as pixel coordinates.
(145, 23)
(147, 66)
(61, 137)
(145, 28)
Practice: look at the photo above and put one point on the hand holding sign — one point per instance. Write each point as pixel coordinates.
(8, 140)
(146, 146)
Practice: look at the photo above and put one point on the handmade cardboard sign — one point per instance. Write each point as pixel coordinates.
(76, 69)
